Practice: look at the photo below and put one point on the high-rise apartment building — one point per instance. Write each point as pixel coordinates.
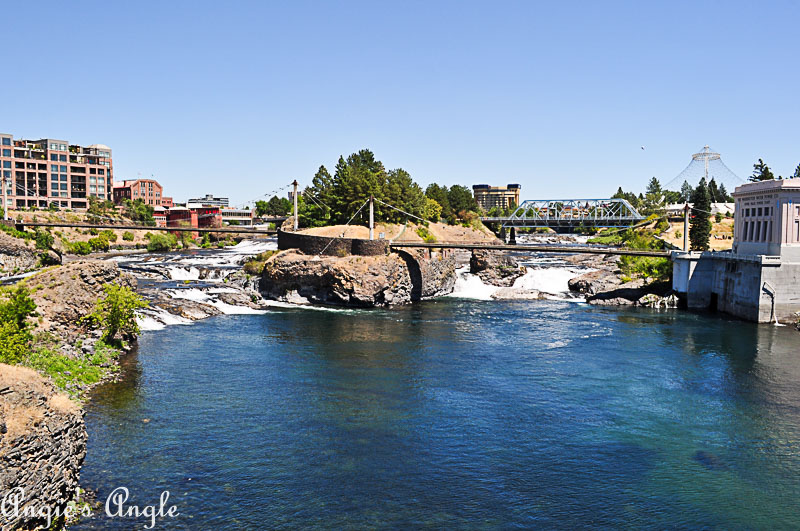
(504, 197)
(38, 173)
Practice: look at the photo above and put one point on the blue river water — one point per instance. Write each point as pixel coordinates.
(458, 414)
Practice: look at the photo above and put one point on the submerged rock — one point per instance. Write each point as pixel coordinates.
(518, 294)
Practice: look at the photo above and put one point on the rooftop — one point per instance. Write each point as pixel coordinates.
(763, 186)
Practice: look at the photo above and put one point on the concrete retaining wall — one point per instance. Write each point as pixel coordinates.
(756, 290)
(310, 244)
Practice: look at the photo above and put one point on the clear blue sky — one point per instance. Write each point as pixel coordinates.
(238, 98)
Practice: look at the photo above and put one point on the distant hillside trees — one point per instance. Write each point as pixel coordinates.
(140, 212)
(276, 206)
(334, 199)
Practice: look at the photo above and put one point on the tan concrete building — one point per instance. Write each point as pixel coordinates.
(759, 279)
(504, 197)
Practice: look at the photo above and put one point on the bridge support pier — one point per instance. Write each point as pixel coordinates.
(512, 239)
(503, 234)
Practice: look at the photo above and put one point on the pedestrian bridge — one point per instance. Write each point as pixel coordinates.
(570, 213)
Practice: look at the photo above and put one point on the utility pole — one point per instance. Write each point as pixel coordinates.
(294, 194)
(371, 217)
(686, 227)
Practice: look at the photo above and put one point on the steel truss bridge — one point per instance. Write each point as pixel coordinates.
(570, 213)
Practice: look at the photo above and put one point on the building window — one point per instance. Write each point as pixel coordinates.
(6, 152)
(62, 147)
(6, 163)
(54, 168)
(62, 158)
(6, 141)
(63, 186)
(101, 171)
(54, 157)
(54, 186)
(53, 146)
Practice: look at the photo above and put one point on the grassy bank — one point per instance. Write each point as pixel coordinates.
(104, 333)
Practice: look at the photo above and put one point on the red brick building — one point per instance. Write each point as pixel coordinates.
(148, 190)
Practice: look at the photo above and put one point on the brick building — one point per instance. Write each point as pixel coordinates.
(148, 190)
(38, 173)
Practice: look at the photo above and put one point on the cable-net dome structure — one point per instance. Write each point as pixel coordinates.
(706, 164)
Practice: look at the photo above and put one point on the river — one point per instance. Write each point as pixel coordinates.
(455, 413)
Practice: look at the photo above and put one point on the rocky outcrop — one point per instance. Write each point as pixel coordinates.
(361, 281)
(604, 286)
(42, 446)
(433, 273)
(20, 256)
(65, 294)
(495, 267)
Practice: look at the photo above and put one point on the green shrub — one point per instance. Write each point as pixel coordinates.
(109, 235)
(44, 240)
(127, 236)
(255, 265)
(15, 337)
(99, 243)
(658, 269)
(162, 242)
(426, 235)
(116, 312)
(79, 248)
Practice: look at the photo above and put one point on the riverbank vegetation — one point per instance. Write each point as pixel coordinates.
(22, 344)
(642, 238)
(255, 264)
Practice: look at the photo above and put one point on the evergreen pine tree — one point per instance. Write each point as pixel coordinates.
(686, 191)
(700, 224)
(796, 172)
(761, 172)
(713, 191)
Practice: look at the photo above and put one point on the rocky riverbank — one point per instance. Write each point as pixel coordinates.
(359, 281)
(42, 447)
(18, 256)
(605, 285)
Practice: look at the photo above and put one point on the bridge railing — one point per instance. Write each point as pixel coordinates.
(533, 212)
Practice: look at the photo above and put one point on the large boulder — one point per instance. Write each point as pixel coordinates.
(42, 446)
(361, 281)
(495, 267)
(65, 294)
